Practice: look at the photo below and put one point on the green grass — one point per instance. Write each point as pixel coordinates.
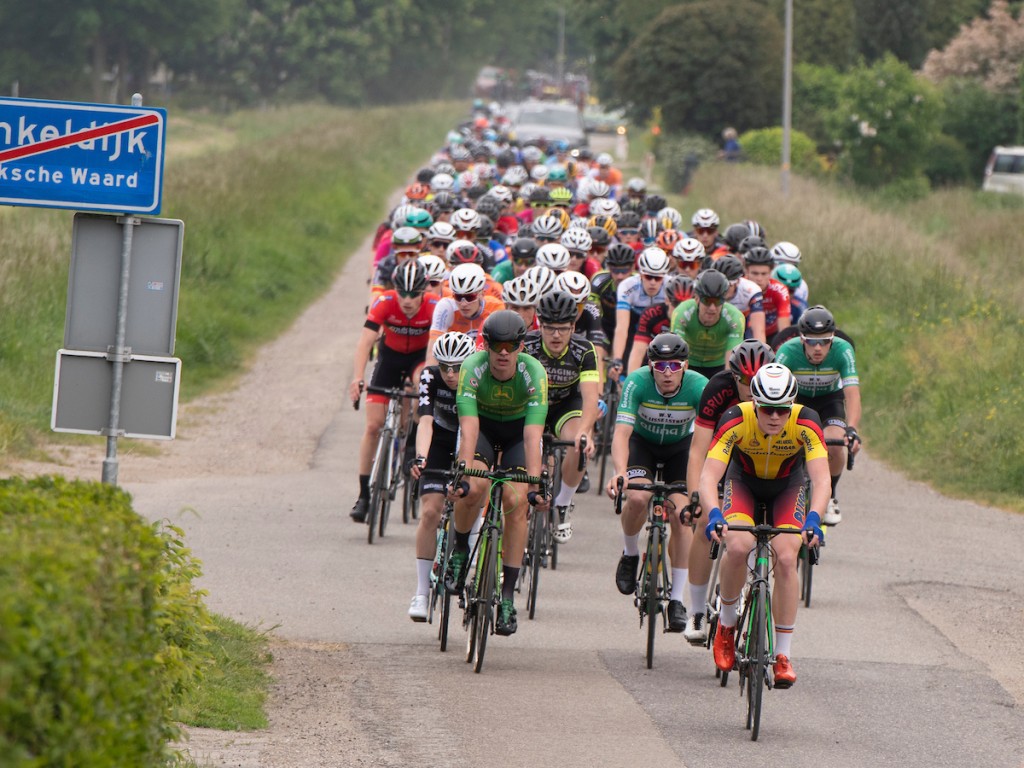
(233, 693)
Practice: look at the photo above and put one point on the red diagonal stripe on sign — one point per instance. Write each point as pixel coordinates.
(142, 121)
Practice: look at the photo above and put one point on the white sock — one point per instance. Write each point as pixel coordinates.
(631, 544)
(730, 612)
(678, 583)
(783, 640)
(698, 597)
(423, 568)
(565, 494)
(474, 532)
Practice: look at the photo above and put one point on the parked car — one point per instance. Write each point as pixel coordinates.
(1005, 171)
(597, 120)
(535, 121)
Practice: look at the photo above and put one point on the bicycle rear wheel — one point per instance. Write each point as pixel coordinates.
(410, 498)
(652, 601)
(534, 558)
(484, 618)
(607, 429)
(550, 545)
(758, 659)
(378, 483)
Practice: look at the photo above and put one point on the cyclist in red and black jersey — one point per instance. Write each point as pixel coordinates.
(619, 264)
(403, 315)
(658, 319)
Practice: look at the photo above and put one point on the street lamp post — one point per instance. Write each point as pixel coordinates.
(787, 98)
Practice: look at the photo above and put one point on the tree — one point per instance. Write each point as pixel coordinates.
(707, 65)
(824, 31)
(909, 29)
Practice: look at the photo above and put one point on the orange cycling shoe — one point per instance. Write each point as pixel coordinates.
(784, 674)
(725, 648)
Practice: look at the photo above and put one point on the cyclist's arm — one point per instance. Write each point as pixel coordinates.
(424, 434)
(755, 321)
(469, 432)
(699, 444)
(621, 332)
(533, 437)
(620, 448)
(711, 475)
(636, 355)
(363, 347)
(821, 484)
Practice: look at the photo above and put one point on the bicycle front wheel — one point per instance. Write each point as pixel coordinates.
(758, 659)
(535, 554)
(387, 490)
(378, 482)
(652, 600)
(410, 498)
(484, 618)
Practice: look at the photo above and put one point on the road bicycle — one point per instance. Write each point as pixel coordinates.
(541, 546)
(654, 586)
(755, 644)
(606, 426)
(483, 590)
(438, 598)
(410, 484)
(386, 470)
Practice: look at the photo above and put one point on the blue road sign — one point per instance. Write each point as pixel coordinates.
(87, 157)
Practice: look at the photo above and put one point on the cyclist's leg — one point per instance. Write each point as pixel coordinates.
(432, 493)
(675, 459)
(568, 428)
(788, 509)
(831, 410)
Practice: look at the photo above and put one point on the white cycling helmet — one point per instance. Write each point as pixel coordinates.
(442, 182)
(604, 159)
(785, 253)
(653, 261)
(465, 220)
(670, 216)
(467, 278)
(575, 284)
(520, 292)
(501, 193)
(434, 266)
(539, 172)
(598, 188)
(547, 226)
(636, 184)
(578, 222)
(453, 347)
(399, 215)
(515, 176)
(442, 231)
(577, 239)
(773, 384)
(542, 277)
(467, 179)
(554, 256)
(689, 250)
(532, 154)
(705, 217)
(602, 206)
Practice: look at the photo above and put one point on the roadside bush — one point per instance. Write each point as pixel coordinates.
(680, 155)
(764, 147)
(946, 162)
(101, 628)
(980, 120)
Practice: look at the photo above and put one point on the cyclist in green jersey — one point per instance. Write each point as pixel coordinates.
(502, 406)
(826, 373)
(711, 326)
(654, 426)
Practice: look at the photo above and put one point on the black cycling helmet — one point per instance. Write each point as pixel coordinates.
(424, 175)
(628, 220)
(668, 346)
(633, 205)
(734, 235)
(729, 266)
(409, 277)
(444, 201)
(752, 241)
(655, 203)
(540, 196)
(599, 236)
(488, 208)
(711, 284)
(504, 325)
(756, 229)
(620, 255)
(748, 357)
(485, 230)
(816, 319)
(557, 307)
(758, 255)
(523, 248)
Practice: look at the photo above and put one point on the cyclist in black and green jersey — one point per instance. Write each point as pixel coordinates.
(826, 373)
(573, 391)
(502, 405)
(711, 326)
(654, 425)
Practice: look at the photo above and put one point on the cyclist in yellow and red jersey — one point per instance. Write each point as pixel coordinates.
(774, 445)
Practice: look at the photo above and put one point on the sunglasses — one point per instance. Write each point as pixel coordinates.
(466, 297)
(449, 367)
(774, 410)
(557, 328)
(654, 278)
(629, 232)
(503, 346)
(740, 379)
(621, 270)
(705, 230)
(710, 302)
(540, 205)
(817, 342)
(438, 244)
(667, 366)
(525, 262)
(435, 283)
(409, 294)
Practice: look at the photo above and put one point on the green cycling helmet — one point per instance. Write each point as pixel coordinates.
(419, 218)
(560, 195)
(789, 275)
(558, 173)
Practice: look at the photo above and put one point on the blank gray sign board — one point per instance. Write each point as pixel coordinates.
(95, 282)
(149, 395)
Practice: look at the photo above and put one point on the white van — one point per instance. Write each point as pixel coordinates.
(1005, 171)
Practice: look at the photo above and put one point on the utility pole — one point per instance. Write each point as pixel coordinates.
(787, 98)
(560, 62)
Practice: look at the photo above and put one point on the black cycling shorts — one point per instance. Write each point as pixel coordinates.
(391, 370)
(559, 413)
(505, 437)
(645, 456)
(440, 458)
(831, 408)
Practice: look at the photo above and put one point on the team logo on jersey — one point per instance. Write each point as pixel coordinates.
(502, 392)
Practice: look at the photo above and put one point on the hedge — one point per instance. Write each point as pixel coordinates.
(101, 627)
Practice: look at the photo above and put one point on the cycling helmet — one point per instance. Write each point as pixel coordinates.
(558, 173)
(406, 236)
(789, 275)
(598, 188)
(654, 261)
(515, 176)
(557, 306)
(543, 277)
(442, 182)
(688, 250)
(504, 325)
(502, 194)
(532, 154)
(751, 241)
(705, 217)
(607, 223)
(711, 284)
(523, 248)
(562, 215)
(434, 266)
(575, 284)
(635, 205)
(520, 292)
(459, 154)
(756, 229)
(417, 191)
(773, 384)
(442, 231)
(467, 180)
(489, 208)
(560, 196)
(423, 176)
(758, 255)
(636, 185)
(599, 237)
(554, 256)
(399, 215)
(444, 202)
(734, 235)
(649, 229)
(730, 266)
(670, 218)
(748, 357)
(604, 159)
(463, 252)
(475, 192)
(628, 220)
(538, 197)
(667, 239)
(453, 347)
(445, 168)
(409, 277)
(465, 219)
(620, 255)
(679, 288)
(577, 240)
(786, 253)
(602, 206)
(467, 278)
(655, 203)
(419, 218)
(816, 319)
(668, 346)
(548, 227)
(485, 230)
(539, 173)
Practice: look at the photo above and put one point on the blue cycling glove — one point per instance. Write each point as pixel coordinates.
(813, 525)
(715, 517)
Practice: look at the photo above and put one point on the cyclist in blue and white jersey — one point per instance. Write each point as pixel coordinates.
(636, 294)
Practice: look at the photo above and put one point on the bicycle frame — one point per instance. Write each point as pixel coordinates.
(384, 472)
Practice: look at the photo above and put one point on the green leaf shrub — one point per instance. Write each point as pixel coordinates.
(764, 147)
(101, 627)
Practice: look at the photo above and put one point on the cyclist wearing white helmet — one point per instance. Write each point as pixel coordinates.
(689, 254)
(436, 439)
(705, 229)
(578, 242)
(786, 253)
(588, 313)
(521, 294)
(468, 306)
(604, 171)
(635, 294)
(436, 270)
(554, 256)
(765, 450)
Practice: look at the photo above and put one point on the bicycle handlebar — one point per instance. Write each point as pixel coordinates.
(394, 392)
(846, 443)
(763, 530)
